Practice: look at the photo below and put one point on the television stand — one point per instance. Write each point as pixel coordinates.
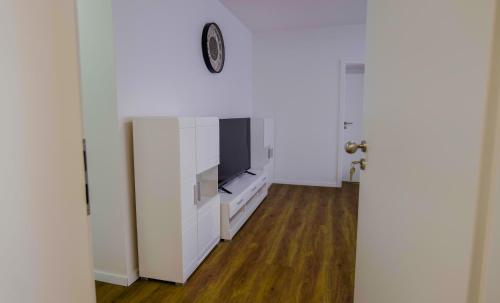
(222, 189)
(250, 173)
(249, 191)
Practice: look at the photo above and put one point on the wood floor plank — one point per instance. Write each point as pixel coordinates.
(298, 246)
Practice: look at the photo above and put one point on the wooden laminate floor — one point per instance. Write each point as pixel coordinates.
(299, 246)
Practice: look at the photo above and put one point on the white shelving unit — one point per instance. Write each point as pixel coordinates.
(248, 192)
(177, 202)
(262, 134)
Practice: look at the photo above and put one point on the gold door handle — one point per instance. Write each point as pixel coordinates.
(362, 163)
(352, 147)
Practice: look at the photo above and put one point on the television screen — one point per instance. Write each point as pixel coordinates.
(234, 148)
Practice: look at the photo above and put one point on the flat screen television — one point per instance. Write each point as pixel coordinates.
(234, 148)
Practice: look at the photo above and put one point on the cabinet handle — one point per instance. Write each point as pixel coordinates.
(198, 187)
(239, 202)
(195, 193)
(253, 189)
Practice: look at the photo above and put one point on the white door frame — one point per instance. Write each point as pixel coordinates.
(344, 65)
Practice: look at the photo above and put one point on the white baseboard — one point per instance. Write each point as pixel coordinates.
(133, 277)
(111, 278)
(307, 183)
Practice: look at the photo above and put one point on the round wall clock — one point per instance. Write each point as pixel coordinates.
(212, 44)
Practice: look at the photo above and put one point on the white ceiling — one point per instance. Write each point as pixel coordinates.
(263, 15)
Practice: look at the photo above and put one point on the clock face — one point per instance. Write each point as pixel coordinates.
(213, 47)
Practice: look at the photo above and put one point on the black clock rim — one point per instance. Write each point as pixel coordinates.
(206, 55)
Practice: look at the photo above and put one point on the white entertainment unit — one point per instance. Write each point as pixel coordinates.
(177, 201)
(248, 192)
(181, 216)
(262, 144)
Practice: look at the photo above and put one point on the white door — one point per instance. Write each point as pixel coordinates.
(427, 73)
(353, 117)
(189, 247)
(208, 224)
(207, 143)
(45, 254)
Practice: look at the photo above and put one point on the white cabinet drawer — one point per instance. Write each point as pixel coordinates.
(263, 181)
(256, 200)
(236, 205)
(253, 190)
(237, 221)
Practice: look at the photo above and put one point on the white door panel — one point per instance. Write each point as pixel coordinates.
(208, 224)
(187, 139)
(188, 204)
(190, 245)
(204, 229)
(202, 148)
(46, 250)
(207, 147)
(427, 71)
(354, 84)
(214, 145)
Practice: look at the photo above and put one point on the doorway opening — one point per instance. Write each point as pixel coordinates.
(351, 119)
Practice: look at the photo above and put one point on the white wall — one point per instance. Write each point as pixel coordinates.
(159, 63)
(296, 80)
(141, 59)
(115, 260)
(45, 250)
